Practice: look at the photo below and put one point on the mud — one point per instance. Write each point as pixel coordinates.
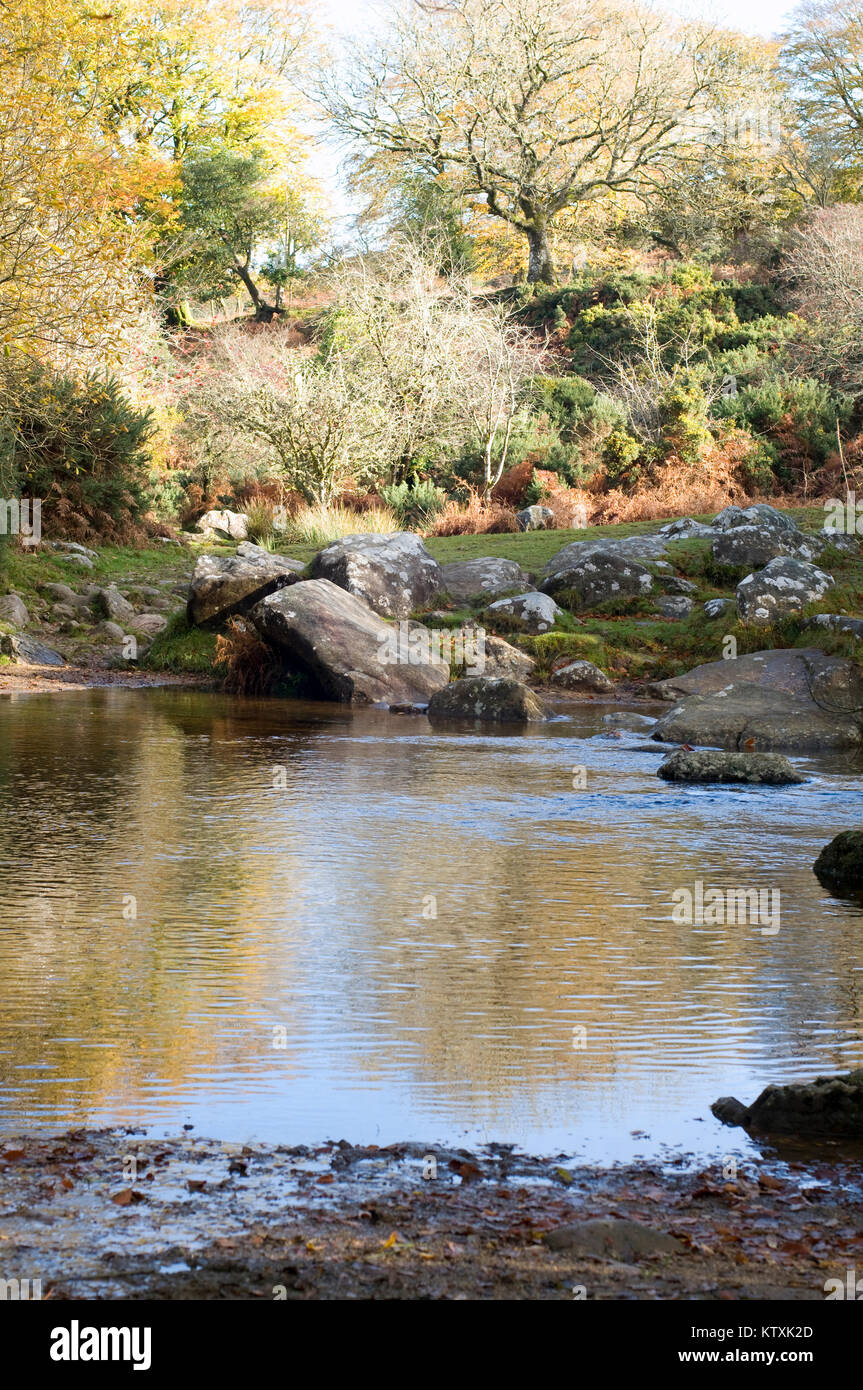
(117, 1214)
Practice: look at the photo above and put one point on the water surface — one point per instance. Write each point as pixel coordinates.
(293, 922)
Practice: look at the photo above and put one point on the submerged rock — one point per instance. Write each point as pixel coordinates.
(766, 769)
(393, 574)
(828, 1107)
(482, 697)
(840, 864)
(350, 652)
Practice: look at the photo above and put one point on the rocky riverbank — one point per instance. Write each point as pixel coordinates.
(115, 1214)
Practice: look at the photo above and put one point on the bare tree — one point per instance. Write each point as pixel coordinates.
(825, 273)
(538, 105)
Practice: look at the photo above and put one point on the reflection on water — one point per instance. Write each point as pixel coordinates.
(297, 922)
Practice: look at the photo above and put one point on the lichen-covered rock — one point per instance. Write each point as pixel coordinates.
(499, 701)
(234, 525)
(781, 590)
(748, 718)
(840, 864)
(532, 613)
(393, 574)
(828, 1107)
(674, 606)
(715, 607)
(223, 585)
(763, 769)
(535, 519)
(582, 675)
(349, 651)
(505, 661)
(753, 546)
(490, 575)
(684, 527)
(590, 579)
(149, 623)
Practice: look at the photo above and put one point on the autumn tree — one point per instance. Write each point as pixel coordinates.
(536, 106)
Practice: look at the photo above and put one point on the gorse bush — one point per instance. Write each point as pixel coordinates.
(80, 446)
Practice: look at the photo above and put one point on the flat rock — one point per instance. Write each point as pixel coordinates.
(828, 1107)
(582, 675)
(487, 576)
(392, 574)
(748, 718)
(675, 606)
(781, 590)
(29, 652)
(481, 697)
(149, 623)
(224, 585)
(532, 613)
(613, 1238)
(765, 769)
(806, 672)
(352, 654)
(73, 548)
(840, 864)
(628, 719)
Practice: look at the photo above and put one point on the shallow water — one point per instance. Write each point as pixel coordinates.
(222, 913)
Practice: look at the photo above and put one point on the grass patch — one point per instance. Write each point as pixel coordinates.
(183, 649)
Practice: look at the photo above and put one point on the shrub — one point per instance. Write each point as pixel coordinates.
(261, 521)
(415, 504)
(80, 446)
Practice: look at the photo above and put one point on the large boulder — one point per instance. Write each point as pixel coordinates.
(840, 864)
(487, 576)
(805, 672)
(223, 585)
(393, 574)
(828, 1107)
(781, 590)
(758, 515)
(591, 578)
(763, 769)
(649, 548)
(479, 697)
(350, 652)
(684, 528)
(756, 545)
(532, 613)
(751, 719)
(234, 525)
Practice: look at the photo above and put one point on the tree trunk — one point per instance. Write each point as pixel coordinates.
(264, 312)
(541, 265)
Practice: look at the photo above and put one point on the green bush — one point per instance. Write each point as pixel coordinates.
(620, 454)
(416, 503)
(80, 446)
